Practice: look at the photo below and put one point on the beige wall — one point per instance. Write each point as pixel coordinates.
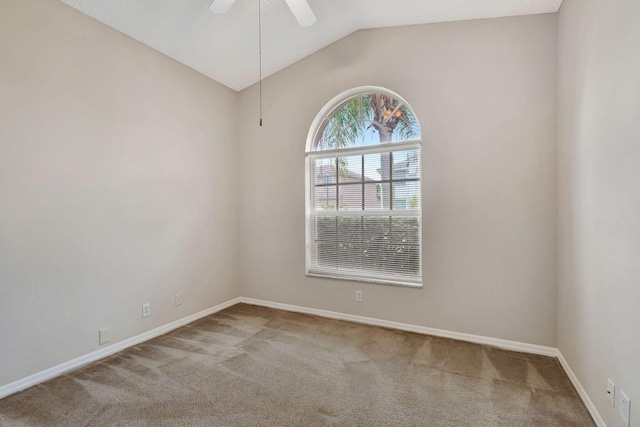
(117, 187)
(599, 197)
(485, 95)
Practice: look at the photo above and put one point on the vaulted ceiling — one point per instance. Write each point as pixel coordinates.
(225, 47)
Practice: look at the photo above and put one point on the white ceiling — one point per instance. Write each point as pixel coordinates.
(225, 47)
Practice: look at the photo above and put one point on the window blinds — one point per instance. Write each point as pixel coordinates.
(364, 213)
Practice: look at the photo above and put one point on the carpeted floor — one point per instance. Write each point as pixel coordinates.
(254, 366)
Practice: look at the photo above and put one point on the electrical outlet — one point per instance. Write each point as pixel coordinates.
(624, 408)
(358, 296)
(611, 393)
(178, 300)
(104, 336)
(146, 310)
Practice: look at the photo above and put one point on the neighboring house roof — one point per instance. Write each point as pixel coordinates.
(323, 170)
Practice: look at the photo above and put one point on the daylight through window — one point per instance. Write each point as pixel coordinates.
(363, 190)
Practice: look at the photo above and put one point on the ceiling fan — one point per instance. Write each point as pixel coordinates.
(300, 9)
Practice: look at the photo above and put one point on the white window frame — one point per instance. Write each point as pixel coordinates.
(310, 213)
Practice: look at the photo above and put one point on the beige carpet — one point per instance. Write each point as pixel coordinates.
(253, 366)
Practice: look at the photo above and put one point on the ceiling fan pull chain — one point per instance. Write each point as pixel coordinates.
(260, 53)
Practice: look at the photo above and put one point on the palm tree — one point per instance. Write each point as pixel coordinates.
(384, 115)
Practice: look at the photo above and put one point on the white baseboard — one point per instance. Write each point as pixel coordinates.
(76, 363)
(581, 391)
(478, 339)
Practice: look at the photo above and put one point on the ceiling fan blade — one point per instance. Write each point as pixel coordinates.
(220, 6)
(302, 11)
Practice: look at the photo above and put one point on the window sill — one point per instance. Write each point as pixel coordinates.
(372, 280)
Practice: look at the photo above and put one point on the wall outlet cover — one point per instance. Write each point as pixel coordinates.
(611, 393)
(624, 408)
(104, 336)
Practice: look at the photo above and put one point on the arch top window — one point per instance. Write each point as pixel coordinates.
(363, 189)
(367, 119)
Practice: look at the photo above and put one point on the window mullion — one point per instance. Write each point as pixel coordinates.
(368, 149)
(337, 182)
(391, 181)
(361, 229)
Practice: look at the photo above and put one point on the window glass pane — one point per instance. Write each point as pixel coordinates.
(367, 111)
(405, 125)
(406, 195)
(368, 120)
(406, 165)
(391, 244)
(405, 230)
(404, 249)
(376, 133)
(325, 171)
(355, 135)
(326, 198)
(379, 107)
(325, 251)
(375, 240)
(328, 137)
(350, 197)
(326, 228)
(372, 167)
(383, 191)
(350, 169)
(327, 254)
(345, 128)
(373, 196)
(349, 244)
(385, 165)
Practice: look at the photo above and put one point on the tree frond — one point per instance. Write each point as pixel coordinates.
(391, 119)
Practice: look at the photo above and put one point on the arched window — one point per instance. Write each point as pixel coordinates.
(363, 189)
